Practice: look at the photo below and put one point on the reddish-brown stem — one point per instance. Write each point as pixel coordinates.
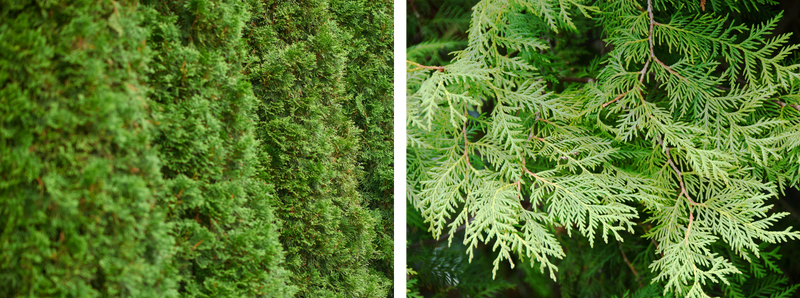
(783, 104)
(615, 99)
(689, 227)
(669, 69)
(576, 80)
(683, 191)
(531, 136)
(653, 57)
(678, 172)
(625, 257)
(439, 68)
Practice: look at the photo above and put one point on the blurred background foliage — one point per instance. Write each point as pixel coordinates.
(436, 28)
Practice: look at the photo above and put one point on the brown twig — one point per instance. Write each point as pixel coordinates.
(683, 191)
(615, 99)
(420, 66)
(669, 69)
(652, 57)
(646, 64)
(531, 136)
(783, 104)
(197, 244)
(576, 80)
(625, 257)
(537, 176)
(678, 172)
(689, 227)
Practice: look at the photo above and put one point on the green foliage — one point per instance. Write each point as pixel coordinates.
(443, 271)
(409, 283)
(78, 178)
(136, 160)
(759, 278)
(368, 41)
(299, 76)
(435, 28)
(204, 114)
(687, 122)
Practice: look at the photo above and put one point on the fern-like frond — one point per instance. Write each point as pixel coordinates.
(585, 202)
(757, 57)
(688, 263)
(421, 50)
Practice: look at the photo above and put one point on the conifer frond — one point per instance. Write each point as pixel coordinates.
(497, 214)
(442, 193)
(585, 202)
(739, 216)
(419, 51)
(688, 263)
(757, 57)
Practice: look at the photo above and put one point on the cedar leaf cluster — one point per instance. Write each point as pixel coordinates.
(685, 123)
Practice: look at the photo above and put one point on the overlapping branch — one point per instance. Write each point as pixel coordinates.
(651, 57)
(683, 191)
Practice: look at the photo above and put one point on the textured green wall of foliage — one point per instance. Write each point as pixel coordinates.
(78, 177)
(368, 76)
(203, 114)
(137, 161)
(299, 78)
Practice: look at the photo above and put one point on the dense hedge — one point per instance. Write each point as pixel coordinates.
(78, 177)
(224, 228)
(137, 160)
(368, 74)
(328, 234)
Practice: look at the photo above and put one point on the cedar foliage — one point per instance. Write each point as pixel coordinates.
(226, 236)
(299, 78)
(679, 128)
(368, 28)
(137, 161)
(78, 177)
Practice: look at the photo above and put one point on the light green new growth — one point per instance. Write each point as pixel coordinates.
(692, 117)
